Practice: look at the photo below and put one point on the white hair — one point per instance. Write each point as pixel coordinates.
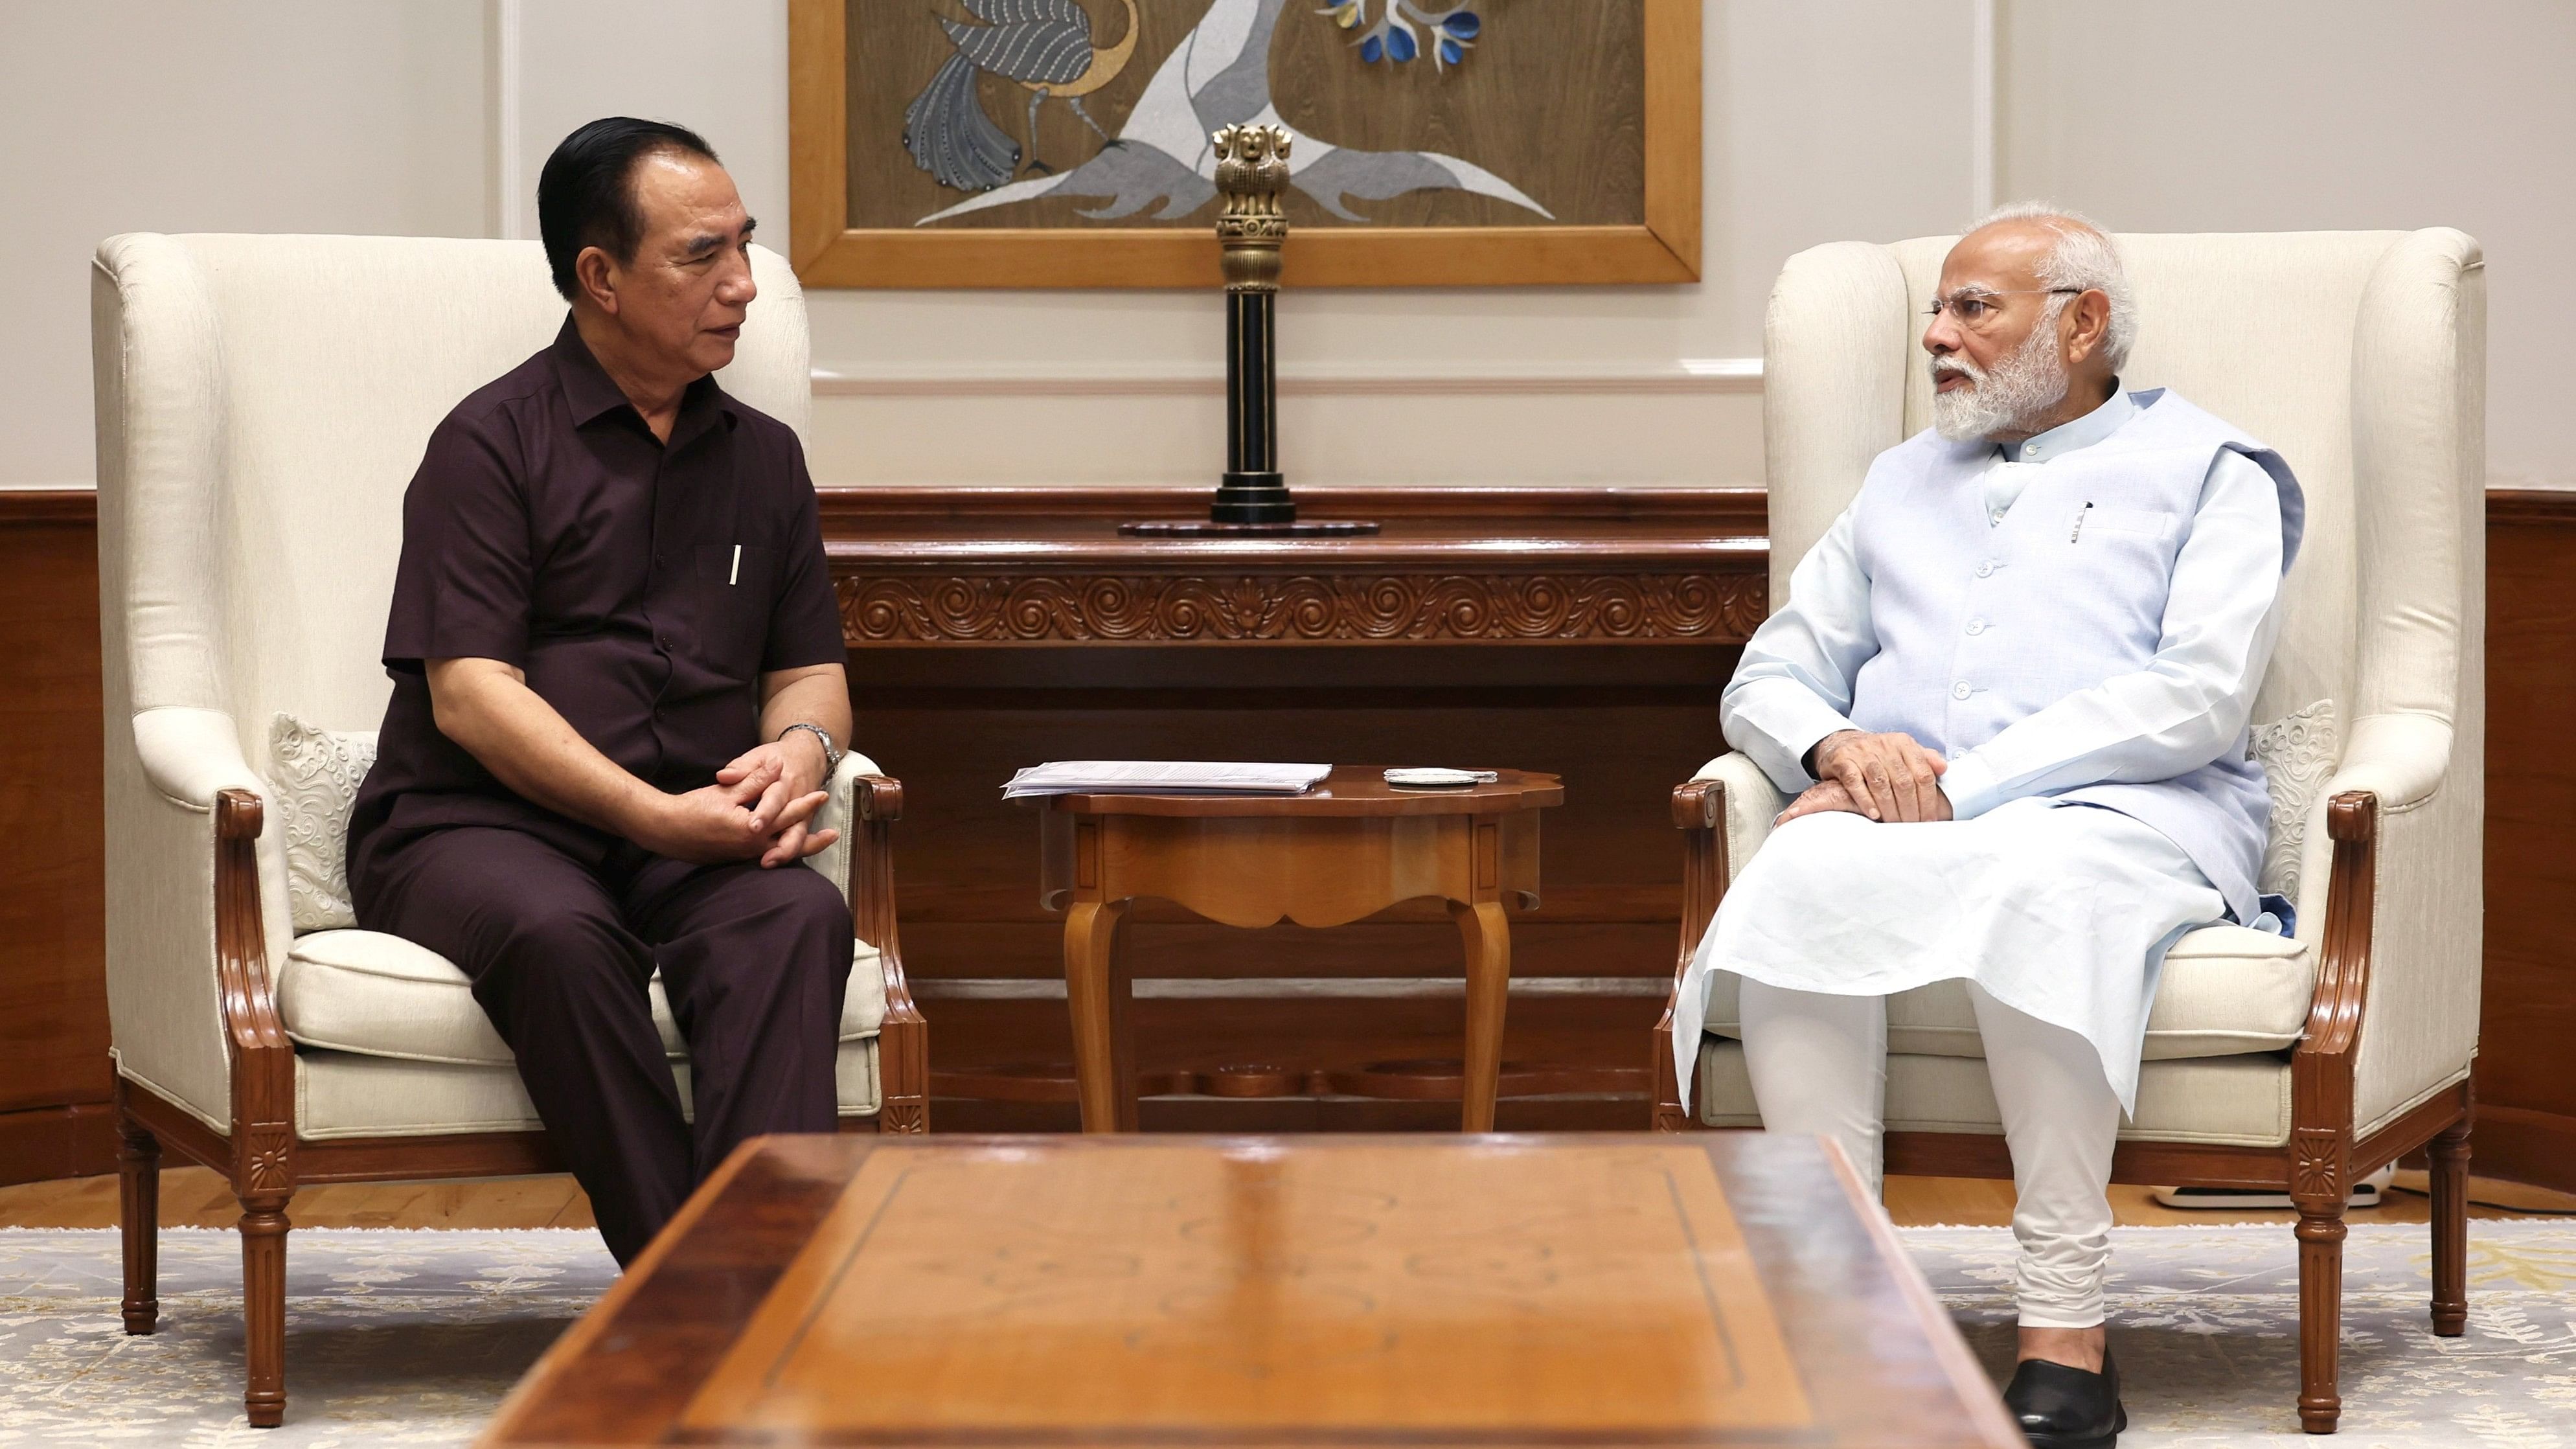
(2085, 257)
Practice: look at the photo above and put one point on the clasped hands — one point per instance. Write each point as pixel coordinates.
(762, 805)
(1887, 778)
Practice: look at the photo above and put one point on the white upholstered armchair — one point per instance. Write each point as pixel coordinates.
(2302, 1063)
(262, 402)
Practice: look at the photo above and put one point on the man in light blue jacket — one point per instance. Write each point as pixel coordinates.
(2010, 691)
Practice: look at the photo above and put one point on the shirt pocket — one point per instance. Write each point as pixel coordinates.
(734, 592)
(2093, 520)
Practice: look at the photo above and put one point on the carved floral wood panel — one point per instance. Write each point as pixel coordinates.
(1291, 608)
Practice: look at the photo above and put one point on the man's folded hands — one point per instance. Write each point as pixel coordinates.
(1885, 777)
(761, 806)
(781, 784)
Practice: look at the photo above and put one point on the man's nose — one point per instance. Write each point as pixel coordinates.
(735, 288)
(1940, 338)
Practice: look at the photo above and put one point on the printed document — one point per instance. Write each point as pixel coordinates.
(1163, 777)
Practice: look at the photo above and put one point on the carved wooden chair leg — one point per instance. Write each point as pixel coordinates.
(2321, 1233)
(2450, 1162)
(263, 1234)
(138, 1202)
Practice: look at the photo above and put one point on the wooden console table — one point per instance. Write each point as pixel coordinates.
(1584, 632)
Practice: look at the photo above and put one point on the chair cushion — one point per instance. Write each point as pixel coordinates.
(2232, 1101)
(2226, 990)
(344, 1094)
(377, 995)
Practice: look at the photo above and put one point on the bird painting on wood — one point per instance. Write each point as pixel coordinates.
(1045, 47)
(1217, 76)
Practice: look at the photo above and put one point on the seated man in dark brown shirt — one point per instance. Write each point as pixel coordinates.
(618, 690)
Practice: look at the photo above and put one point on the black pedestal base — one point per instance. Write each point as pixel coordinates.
(1252, 498)
(1256, 504)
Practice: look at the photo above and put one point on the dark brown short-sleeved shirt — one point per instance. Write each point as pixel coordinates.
(643, 587)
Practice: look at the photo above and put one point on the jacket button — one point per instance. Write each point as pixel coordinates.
(1976, 626)
(1960, 690)
(1986, 570)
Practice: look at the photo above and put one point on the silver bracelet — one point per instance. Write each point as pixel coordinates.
(831, 755)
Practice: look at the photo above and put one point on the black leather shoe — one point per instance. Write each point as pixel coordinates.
(2059, 1407)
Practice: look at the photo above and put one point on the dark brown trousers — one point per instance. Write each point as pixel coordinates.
(754, 962)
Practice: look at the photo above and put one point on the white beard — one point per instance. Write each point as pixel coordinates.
(2019, 391)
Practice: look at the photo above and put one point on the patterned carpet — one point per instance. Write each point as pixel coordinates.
(410, 1338)
(2205, 1325)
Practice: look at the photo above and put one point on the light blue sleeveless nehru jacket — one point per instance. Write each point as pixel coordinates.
(1984, 620)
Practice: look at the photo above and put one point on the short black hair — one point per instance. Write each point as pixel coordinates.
(586, 194)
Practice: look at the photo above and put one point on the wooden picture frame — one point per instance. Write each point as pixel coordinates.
(829, 253)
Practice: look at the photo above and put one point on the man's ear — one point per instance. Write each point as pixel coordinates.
(2086, 323)
(596, 276)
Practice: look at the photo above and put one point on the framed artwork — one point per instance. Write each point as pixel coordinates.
(1064, 143)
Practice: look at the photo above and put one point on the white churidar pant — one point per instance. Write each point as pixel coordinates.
(2057, 917)
(1819, 1067)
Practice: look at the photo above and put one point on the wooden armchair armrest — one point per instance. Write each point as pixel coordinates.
(1699, 812)
(263, 1060)
(903, 1043)
(2343, 957)
(2321, 1068)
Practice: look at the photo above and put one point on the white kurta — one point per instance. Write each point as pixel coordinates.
(2060, 910)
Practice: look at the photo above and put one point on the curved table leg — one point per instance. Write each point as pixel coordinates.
(1096, 990)
(1489, 977)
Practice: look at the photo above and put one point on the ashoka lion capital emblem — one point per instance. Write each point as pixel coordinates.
(1251, 172)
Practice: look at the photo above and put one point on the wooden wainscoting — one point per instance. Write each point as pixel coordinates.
(1617, 721)
(2527, 1029)
(54, 1116)
(1583, 632)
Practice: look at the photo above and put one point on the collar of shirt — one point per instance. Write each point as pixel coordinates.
(2084, 432)
(592, 394)
(2003, 484)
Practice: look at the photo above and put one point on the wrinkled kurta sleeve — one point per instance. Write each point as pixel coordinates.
(1794, 686)
(2192, 700)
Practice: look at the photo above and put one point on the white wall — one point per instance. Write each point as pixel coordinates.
(2218, 115)
(174, 115)
(1584, 384)
(1825, 119)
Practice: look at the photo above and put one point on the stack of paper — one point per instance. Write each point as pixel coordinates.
(1163, 777)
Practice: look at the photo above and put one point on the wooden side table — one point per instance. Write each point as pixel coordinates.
(1348, 848)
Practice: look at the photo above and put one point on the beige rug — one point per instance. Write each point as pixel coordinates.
(411, 1338)
(392, 1338)
(2205, 1323)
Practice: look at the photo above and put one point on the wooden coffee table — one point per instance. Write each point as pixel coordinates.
(1719, 1289)
(1349, 848)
